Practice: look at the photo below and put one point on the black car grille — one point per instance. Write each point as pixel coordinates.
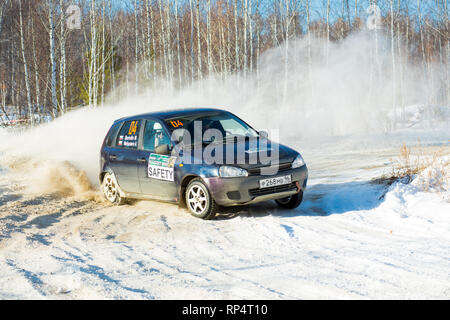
(265, 191)
(280, 167)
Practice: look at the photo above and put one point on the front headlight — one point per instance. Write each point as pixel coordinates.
(229, 172)
(298, 162)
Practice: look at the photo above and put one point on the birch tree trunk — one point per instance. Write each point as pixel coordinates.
(163, 37)
(62, 68)
(309, 50)
(148, 44)
(178, 44)
(258, 49)
(4, 93)
(169, 42)
(448, 52)
(112, 70)
(25, 67)
(223, 54)
(250, 31)
(229, 55)
(208, 36)
(192, 42)
(136, 49)
(236, 35)
(52, 59)
(3, 85)
(103, 52)
(36, 69)
(199, 46)
(153, 39)
(1, 14)
(401, 60)
(286, 45)
(394, 78)
(92, 91)
(245, 16)
(328, 33)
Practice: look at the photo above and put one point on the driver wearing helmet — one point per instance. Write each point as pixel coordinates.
(159, 134)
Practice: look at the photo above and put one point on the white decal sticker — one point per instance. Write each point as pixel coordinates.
(161, 167)
(160, 173)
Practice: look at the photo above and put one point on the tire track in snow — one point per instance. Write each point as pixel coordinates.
(32, 278)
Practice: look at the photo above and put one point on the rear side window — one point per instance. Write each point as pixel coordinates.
(129, 134)
(112, 133)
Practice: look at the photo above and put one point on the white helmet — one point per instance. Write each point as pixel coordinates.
(157, 126)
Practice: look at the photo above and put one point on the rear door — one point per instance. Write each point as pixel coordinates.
(156, 172)
(123, 156)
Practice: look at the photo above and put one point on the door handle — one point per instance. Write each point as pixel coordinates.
(112, 157)
(141, 160)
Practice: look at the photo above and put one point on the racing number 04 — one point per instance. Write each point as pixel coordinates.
(133, 128)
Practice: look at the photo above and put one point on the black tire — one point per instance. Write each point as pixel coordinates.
(199, 201)
(110, 190)
(290, 202)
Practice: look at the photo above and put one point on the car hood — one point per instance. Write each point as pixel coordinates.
(246, 154)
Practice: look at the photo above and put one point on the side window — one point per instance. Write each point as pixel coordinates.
(154, 135)
(112, 133)
(129, 134)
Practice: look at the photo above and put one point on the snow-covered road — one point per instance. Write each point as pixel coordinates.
(352, 238)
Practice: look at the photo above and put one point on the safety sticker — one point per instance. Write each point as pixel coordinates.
(161, 167)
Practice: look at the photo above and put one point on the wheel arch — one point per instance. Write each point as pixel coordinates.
(104, 171)
(183, 185)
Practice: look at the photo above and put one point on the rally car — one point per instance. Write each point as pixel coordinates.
(201, 158)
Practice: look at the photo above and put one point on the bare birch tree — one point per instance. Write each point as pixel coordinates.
(52, 58)
(25, 66)
(62, 68)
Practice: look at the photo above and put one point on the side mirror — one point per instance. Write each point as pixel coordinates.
(162, 149)
(263, 134)
(178, 135)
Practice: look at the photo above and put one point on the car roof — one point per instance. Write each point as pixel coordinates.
(169, 114)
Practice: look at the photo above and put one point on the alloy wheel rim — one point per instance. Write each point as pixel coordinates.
(109, 189)
(197, 199)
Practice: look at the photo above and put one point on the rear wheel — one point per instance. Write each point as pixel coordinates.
(199, 200)
(110, 190)
(290, 202)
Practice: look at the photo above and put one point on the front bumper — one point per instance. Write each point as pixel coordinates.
(245, 190)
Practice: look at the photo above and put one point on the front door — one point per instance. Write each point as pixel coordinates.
(156, 172)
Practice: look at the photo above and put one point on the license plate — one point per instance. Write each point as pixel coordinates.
(277, 181)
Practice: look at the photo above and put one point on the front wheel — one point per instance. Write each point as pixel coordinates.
(291, 202)
(110, 190)
(199, 200)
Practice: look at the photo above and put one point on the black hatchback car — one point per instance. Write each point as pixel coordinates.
(201, 158)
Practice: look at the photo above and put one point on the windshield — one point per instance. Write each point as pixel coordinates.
(214, 127)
